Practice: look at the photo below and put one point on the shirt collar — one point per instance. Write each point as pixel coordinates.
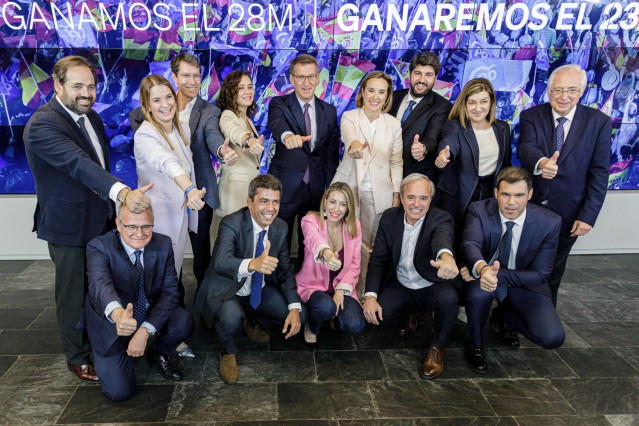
(71, 113)
(311, 103)
(409, 97)
(569, 116)
(519, 221)
(189, 106)
(257, 228)
(129, 250)
(410, 227)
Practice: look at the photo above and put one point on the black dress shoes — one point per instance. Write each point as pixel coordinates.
(510, 338)
(167, 366)
(475, 358)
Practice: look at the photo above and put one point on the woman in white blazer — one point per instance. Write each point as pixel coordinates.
(237, 103)
(372, 164)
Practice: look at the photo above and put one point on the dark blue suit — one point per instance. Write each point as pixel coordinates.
(113, 277)
(529, 308)
(579, 189)
(289, 165)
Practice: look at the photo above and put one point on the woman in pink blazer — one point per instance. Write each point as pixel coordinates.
(329, 274)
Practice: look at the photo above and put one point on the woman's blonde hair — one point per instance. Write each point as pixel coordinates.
(474, 86)
(359, 99)
(145, 102)
(349, 218)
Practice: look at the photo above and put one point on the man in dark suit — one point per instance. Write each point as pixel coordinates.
(567, 147)
(422, 113)
(68, 153)
(132, 267)
(510, 248)
(203, 119)
(307, 145)
(250, 280)
(400, 278)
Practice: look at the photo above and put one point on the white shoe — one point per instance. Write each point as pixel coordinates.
(461, 315)
(309, 337)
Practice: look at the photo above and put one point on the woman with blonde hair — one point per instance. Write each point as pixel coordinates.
(372, 157)
(331, 267)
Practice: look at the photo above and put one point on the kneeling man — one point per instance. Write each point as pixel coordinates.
(412, 267)
(250, 280)
(133, 294)
(511, 245)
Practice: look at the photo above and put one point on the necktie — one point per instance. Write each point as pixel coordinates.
(505, 244)
(139, 312)
(559, 133)
(258, 278)
(307, 122)
(83, 127)
(409, 109)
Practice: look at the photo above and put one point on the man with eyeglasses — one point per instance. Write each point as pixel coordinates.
(567, 147)
(422, 113)
(307, 145)
(133, 294)
(203, 119)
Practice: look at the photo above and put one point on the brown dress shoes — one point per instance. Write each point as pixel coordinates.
(85, 372)
(433, 364)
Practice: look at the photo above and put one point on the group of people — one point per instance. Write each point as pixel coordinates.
(424, 213)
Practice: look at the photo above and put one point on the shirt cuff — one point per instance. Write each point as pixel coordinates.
(284, 135)
(297, 306)
(348, 289)
(149, 327)
(317, 252)
(243, 272)
(115, 190)
(537, 169)
(110, 308)
(370, 293)
(442, 251)
(477, 276)
(219, 155)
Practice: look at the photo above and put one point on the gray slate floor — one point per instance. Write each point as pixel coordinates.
(368, 380)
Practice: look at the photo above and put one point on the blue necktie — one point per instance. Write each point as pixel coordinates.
(504, 256)
(409, 108)
(559, 133)
(258, 278)
(139, 312)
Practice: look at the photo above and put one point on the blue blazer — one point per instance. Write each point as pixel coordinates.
(579, 189)
(537, 245)
(112, 276)
(289, 165)
(206, 139)
(460, 177)
(71, 186)
(234, 243)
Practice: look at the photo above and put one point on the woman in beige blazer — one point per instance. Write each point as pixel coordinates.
(237, 103)
(372, 164)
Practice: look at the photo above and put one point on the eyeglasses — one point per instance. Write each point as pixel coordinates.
(560, 91)
(134, 228)
(190, 76)
(311, 78)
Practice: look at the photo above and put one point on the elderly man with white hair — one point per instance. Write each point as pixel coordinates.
(567, 147)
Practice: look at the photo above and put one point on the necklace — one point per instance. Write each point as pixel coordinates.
(334, 242)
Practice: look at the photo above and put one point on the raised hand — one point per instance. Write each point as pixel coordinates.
(136, 200)
(264, 263)
(443, 158)
(549, 167)
(228, 154)
(417, 149)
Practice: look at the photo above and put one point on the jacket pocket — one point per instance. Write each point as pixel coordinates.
(63, 216)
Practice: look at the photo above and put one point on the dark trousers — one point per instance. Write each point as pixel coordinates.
(321, 308)
(201, 243)
(70, 289)
(300, 205)
(271, 313)
(530, 313)
(563, 250)
(116, 368)
(398, 301)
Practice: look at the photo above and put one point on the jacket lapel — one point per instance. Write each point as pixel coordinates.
(196, 113)
(399, 236)
(80, 138)
(495, 230)
(129, 265)
(549, 131)
(524, 240)
(574, 135)
(294, 106)
(104, 144)
(248, 235)
(500, 132)
(417, 111)
(471, 140)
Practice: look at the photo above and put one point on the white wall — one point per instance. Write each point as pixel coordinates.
(616, 231)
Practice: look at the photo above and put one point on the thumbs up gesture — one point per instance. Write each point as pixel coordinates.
(264, 263)
(549, 167)
(125, 324)
(488, 279)
(256, 145)
(195, 198)
(356, 150)
(332, 260)
(296, 141)
(446, 266)
(228, 154)
(136, 200)
(443, 158)
(418, 149)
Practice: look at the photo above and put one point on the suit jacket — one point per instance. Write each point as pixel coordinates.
(113, 277)
(72, 187)
(383, 159)
(536, 250)
(460, 177)
(206, 139)
(426, 120)
(234, 243)
(289, 165)
(437, 233)
(235, 179)
(316, 276)
(579, 189)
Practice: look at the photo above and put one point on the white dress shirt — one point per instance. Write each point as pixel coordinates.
(311, 112)
(130, 251)
(569, 118)
(402, 107)
(118, 186)
(185, 114)
(244, 272)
